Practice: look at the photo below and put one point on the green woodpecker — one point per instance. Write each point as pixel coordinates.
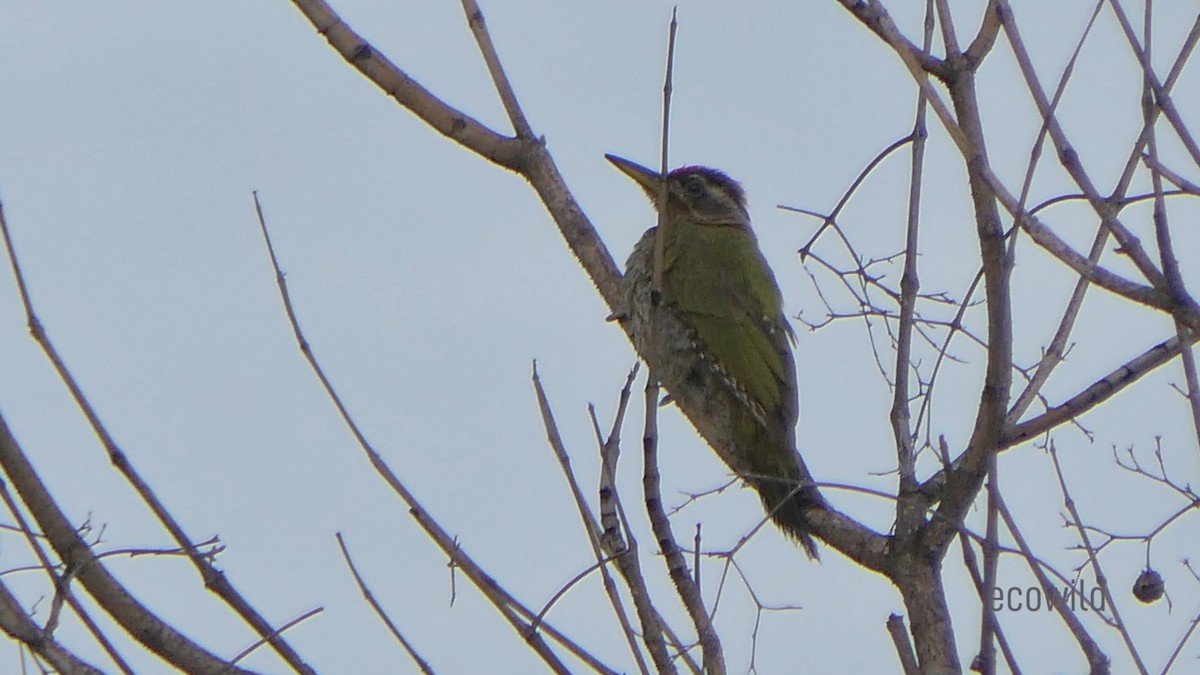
(720, 342)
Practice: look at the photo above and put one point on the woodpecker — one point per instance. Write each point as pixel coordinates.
(720, 342)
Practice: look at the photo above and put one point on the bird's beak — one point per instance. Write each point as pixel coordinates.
(649, 179)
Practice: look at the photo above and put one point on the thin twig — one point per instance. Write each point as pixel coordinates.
(1101, 579)
(983, 590)
(1096, 658)
(660, 232)
(285, 627)
(379, 610)
(830, 220)
(15, 622)
(596, 537)
(62, 585)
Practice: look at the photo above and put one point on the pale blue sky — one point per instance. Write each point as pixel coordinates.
(132, 135)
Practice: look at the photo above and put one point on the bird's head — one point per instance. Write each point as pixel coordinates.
(696, 194)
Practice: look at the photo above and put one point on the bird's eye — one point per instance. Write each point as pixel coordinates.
(693, 186)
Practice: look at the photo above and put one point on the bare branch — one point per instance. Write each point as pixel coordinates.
(1130, 245)
(514, 612)
(526, 155)
(985, 39)
(685, 586)
(1162, 236)
(503, 87)
(904, 649)
(875, 17)
(949, 38)
(997, 268)
(156, 634)
(468, 132)
(62, 586)
(1054, 353)
(910, 285)
(1162, 97)
(1095, 394)
(135, 618)
(16, 623)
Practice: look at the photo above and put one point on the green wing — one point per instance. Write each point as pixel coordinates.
(719, 280)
